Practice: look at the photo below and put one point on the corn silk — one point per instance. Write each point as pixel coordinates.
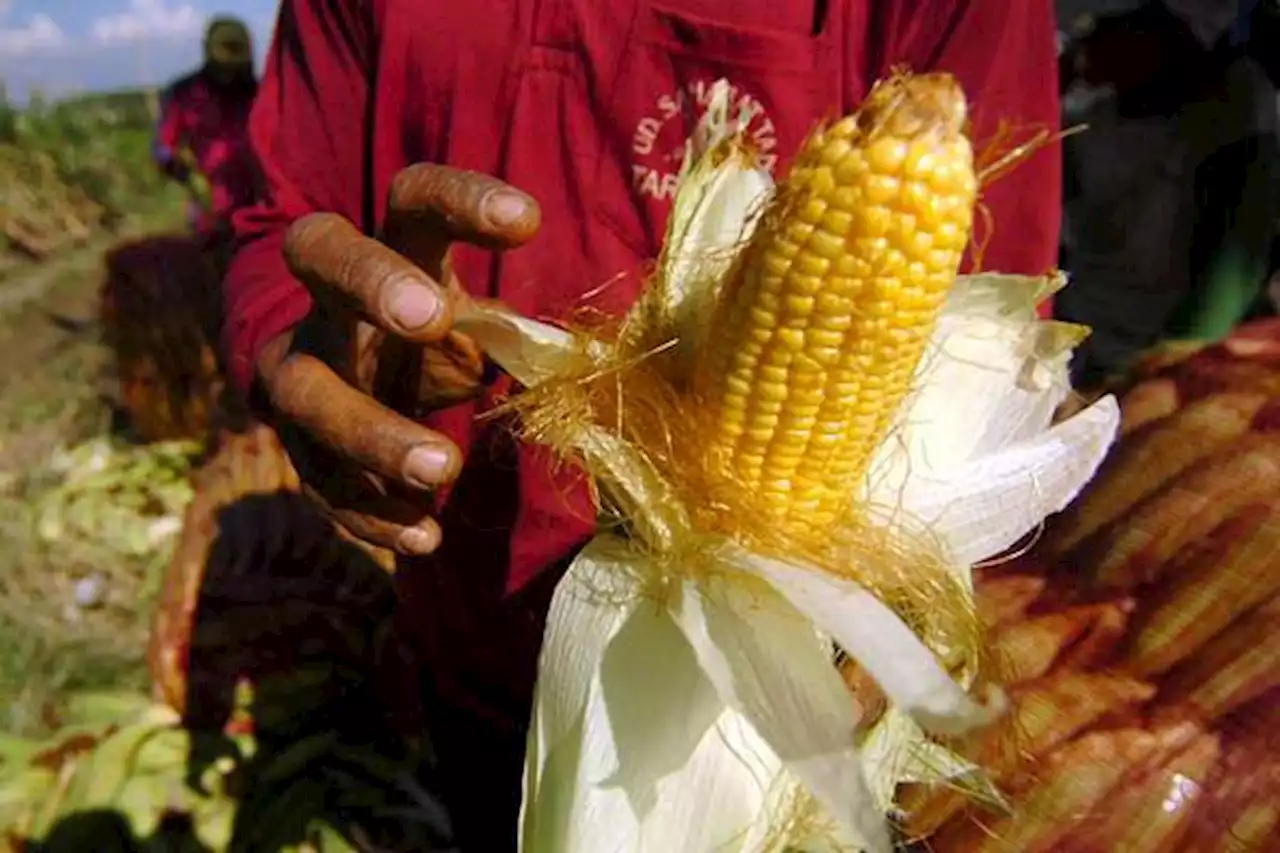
(687, 699)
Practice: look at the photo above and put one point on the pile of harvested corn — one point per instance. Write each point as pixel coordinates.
(1142, 634)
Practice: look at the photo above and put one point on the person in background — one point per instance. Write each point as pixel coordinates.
(1236, 188)
(202, 136)
(1172, 199)
(416, 154)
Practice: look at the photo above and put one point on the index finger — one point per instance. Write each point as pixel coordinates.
(336, 261)
(456, 205)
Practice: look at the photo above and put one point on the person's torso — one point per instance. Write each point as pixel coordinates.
(214, 125)
(586, 106)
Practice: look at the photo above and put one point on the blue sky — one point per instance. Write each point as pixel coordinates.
(65, 46)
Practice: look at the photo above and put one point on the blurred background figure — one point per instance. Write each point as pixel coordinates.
(1171, 197)
(201, 140)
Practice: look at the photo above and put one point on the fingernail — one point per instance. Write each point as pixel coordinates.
(506, 208)
(415, 540)
(413, 306)
(427, 466)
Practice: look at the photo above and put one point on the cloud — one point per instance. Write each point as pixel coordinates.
(39, 33)
(148, 19)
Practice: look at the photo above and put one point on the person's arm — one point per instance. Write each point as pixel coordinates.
(308, 134)
(1005, 56)
(169, 136)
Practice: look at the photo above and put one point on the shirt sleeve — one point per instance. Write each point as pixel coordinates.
(1005, 56)
(307, 132)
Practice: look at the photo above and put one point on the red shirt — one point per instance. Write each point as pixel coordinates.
(585, 106)
(212, 121)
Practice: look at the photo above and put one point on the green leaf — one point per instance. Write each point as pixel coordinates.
(15, 751)
(104, 707)
(297, 758)
(99, 780)
(282, 820)
(326, 839)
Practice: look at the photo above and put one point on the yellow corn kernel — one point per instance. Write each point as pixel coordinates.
(840, 290)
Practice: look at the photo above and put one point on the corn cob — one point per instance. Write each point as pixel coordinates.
(1165, 357)
(1216, 370)
(1006, 598)
(1257, 339)
(1137, 549)
(1196, 557)
(1046, 714)
(1079, 776)
(1240, 808)
(1027, 650)
(1236, 667)
(1074, 636)
(1156, 805)
(1212, 584)
(822, 325)
(1252, 828)
(1141, 465)
(1146, 403)
(1104, 636)
(1053, 709)
(1268, 418)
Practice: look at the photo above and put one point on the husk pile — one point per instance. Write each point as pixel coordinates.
(122, 775)
(267, 728)
(102, 516)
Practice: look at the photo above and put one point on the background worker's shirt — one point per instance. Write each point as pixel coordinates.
(585, 105)
(213, 123)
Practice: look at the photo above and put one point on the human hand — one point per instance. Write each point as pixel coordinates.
(378, 350)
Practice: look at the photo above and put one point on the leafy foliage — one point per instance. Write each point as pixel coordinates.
(72, 168)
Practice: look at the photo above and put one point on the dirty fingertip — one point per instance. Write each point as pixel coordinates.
(428, 465)
(419, 540)
(511, 212)
(414, 306)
